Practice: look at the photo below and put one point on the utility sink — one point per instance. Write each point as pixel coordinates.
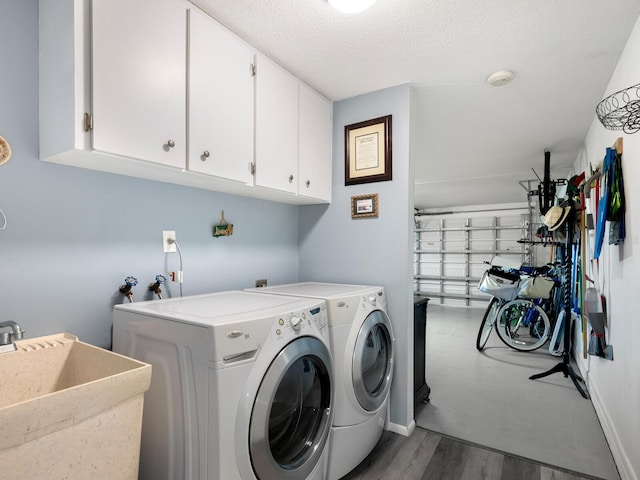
(70, 410)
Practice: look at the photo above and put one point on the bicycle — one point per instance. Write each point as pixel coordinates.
(502, 286)
(521, 323)
(488, 321)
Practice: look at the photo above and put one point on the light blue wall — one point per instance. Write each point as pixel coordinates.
(371, 251)
(73, 235)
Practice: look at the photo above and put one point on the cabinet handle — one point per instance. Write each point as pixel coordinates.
(171, 144)
(290, 178)
(205, 154)
(308, 183)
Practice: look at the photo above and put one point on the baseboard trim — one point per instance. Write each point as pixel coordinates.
(403, 430)
(625, 468)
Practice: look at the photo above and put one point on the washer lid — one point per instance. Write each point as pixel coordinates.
(318, 289)
(220, 308)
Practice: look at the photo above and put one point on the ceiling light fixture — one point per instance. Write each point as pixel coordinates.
(351, 6)
(500, 78)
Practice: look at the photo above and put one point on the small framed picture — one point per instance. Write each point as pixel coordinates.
(367, 151)
(364, 206)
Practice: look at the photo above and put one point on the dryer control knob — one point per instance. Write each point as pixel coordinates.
(373, 300)
(295, 323)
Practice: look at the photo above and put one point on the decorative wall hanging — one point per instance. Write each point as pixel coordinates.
(367, 151)
(5, 151)
(363, 206)
(621, 110)
(223, 229)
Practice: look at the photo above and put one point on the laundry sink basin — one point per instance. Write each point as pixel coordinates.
(70, 410)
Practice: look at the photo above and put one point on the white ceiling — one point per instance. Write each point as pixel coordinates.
(474, 142)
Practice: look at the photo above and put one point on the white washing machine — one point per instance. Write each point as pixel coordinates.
(241, 386)
(362, 346)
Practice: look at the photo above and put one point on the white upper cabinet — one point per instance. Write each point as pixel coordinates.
(315, 123)
(139, 79)
(276, 161)
(157, 89)
(220, 101)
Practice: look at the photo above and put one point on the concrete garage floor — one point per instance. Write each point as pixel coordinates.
(486, 398)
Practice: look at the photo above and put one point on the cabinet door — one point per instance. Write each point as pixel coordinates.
(220, 101)
(314, 144)
(139, 79)
(276, 127)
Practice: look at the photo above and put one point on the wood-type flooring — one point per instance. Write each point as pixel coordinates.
(428, 456)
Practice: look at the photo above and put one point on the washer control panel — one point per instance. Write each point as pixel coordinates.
(294, 322)
(301, 322)
(375, 300)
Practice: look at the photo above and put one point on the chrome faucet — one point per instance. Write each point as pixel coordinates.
(7, 338)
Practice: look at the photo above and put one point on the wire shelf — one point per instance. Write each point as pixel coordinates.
(621, 110)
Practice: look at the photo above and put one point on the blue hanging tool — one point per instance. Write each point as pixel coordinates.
(603, 204)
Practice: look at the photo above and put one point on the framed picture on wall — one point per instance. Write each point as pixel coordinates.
(364, 206)
(367, 151)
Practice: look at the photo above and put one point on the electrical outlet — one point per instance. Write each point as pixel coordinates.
(261, 283)
(166, 246)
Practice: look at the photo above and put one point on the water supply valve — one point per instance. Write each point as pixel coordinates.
(155, 287)
(125, 289)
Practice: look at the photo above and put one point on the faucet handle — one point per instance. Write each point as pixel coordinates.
(155, 287)
(19, 334)
(129, 282)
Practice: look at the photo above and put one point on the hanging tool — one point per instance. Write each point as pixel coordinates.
(603, 203)
(597, 319)
(616, 213)
(583, 254)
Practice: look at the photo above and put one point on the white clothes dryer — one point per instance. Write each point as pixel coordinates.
(241, 385)
(362, 345)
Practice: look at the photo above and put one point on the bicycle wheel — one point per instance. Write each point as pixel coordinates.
(487, 323)
(523, 325)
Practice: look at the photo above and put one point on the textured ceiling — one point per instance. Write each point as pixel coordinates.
(474, 142)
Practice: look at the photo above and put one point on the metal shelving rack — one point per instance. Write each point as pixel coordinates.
(444, 246)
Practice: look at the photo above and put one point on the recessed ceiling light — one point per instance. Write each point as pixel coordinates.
(499, 78)
(351, 6)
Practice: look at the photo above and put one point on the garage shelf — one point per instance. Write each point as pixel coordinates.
(457, 249)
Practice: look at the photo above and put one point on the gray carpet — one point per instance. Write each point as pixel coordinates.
(487, 398)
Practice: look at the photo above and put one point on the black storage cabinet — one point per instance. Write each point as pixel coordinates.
(420, 388)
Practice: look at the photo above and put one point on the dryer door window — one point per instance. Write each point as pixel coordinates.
(291, 416)
(373, 361)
